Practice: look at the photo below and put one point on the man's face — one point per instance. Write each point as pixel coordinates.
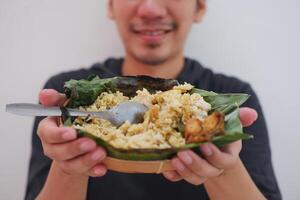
(154, 31)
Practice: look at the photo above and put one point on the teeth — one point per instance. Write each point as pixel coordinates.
(153, 33)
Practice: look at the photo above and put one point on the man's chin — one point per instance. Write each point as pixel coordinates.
(151, 60)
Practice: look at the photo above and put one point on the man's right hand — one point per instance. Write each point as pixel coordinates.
(75, 156)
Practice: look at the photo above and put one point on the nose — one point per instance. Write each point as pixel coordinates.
(151, 9)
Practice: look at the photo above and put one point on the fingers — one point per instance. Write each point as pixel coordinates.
(186, 173)
(88, 163)
(50, 97)
(248, 116)
(233, 148)
(98, 170)
(198, 165)
(195, 169)
(69, 150)
(219, 159)
(49, 132)
(172, 176)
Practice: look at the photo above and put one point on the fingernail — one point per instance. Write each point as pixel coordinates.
(179, 165)
(170, 174)
(206, 150)
(87, 145)
(185, 157)
(69, 135)
(98, 172)
(96, 155)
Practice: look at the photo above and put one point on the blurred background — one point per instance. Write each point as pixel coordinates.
(258, 41)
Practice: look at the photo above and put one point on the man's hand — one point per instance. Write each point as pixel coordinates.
(75, 156)
(195, 169)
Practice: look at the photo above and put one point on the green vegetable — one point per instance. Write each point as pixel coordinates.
(84, 92)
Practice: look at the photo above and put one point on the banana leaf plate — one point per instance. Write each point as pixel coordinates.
(84, 92)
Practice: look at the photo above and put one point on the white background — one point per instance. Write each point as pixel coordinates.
(256, 40)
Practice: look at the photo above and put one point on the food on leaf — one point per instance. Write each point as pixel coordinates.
(180, 116)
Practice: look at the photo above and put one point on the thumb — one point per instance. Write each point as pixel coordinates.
(50, 97)
(247, 116)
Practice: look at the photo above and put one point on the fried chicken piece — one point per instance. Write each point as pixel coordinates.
(202, 131)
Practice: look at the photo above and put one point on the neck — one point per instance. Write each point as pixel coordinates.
(169, 69)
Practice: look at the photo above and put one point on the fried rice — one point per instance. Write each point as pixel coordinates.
(163, 123)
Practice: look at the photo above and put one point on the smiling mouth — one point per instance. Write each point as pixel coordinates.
(153, 33)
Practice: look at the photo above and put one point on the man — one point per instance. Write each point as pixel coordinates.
(153, 33)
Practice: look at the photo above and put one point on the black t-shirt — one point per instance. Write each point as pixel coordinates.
(255, 154)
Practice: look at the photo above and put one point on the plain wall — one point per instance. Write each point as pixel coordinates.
(256, 40)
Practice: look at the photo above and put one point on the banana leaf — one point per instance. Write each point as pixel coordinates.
(84, 92)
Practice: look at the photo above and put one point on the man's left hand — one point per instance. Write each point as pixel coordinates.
(196, 170)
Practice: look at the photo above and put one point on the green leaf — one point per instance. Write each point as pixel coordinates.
(159, 154)
(134, 154)
(226, 103)
(85, 92)
(230, 137)
(203, 93)
(233, 123)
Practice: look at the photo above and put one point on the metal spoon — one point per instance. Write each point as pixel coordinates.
(125, 111)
